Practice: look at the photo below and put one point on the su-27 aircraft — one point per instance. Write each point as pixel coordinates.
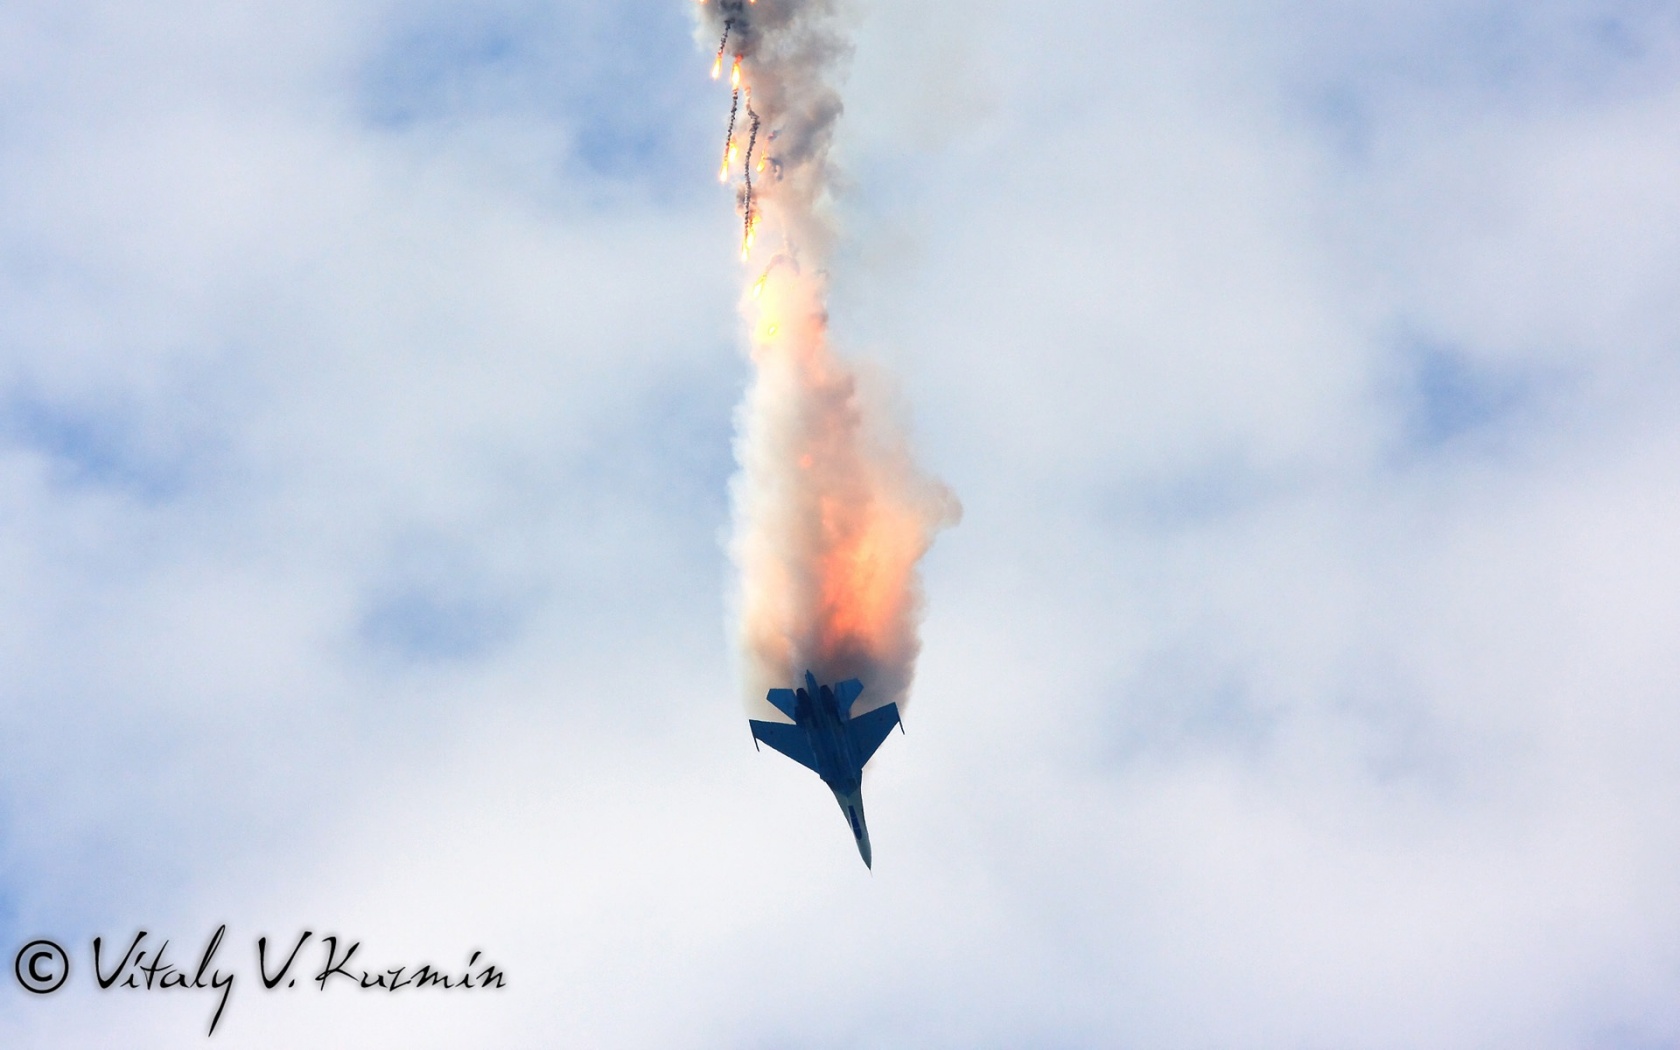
(826, 739)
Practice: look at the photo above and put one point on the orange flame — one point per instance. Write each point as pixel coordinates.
(866, 573)
(837, 516)
(832, 515)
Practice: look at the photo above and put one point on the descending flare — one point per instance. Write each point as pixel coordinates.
(723, 42)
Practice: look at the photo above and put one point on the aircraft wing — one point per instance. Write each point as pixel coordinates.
(789, 740)
(868, 730)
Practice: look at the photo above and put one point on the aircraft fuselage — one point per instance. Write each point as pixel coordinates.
(826, 738)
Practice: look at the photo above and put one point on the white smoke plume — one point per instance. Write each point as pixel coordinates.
(831, 513)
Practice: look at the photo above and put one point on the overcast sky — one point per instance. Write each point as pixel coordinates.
(1302, 675)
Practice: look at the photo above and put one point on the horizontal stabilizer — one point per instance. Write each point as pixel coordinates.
(784, 701)
(846, 693)
(869, 729)
(789, 740)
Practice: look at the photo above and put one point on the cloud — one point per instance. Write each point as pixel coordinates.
(1301, 673)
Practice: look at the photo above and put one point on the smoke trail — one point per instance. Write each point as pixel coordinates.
(831, 514)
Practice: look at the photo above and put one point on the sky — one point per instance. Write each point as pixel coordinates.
(1301, 675)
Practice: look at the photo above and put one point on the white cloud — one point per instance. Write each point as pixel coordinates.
(1300, 675)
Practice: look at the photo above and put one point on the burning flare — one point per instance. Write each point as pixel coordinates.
(831, 514)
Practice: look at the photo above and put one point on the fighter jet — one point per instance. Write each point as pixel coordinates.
(828, 740)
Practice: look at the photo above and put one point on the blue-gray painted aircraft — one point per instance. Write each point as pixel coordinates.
(827, 739)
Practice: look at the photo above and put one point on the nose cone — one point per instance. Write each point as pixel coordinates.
(851, 804)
